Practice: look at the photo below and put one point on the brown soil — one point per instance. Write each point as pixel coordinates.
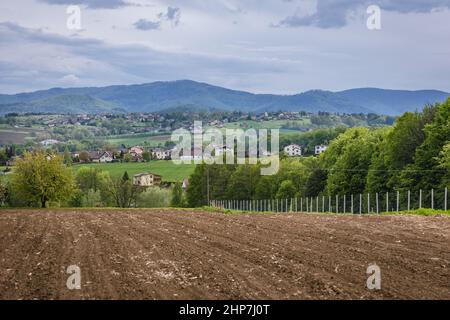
(170, 254)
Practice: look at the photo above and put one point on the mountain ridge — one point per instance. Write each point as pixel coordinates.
(163, 95)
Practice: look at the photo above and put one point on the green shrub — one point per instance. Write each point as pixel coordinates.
(154, 198)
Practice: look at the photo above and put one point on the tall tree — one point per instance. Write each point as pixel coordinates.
(177, 195)
(41, 178)
(426, 172)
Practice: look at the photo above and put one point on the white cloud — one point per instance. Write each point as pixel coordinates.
(225, 42)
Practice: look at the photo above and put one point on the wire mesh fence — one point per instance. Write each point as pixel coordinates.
(367, 203)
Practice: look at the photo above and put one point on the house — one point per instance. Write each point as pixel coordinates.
(195, 154)
(49, 142)
(101, 156)
(161, 154)
(293, 150)
(146, 180)
(220, 150)
(136, 151)
(185, 184)
(320, 149)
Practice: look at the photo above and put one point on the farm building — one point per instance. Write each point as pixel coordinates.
(146, 180)
(136, 151)
(320, 149)
(101, 157)
(161, 154)
(293, 150)
(49, 142)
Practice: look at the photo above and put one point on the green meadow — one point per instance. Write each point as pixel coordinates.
(167, 169)
(138, 139)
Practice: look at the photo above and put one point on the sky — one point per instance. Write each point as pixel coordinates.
(261, 46)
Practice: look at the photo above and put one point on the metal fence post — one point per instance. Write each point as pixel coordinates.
(445, 199)
(360, 203)
(368, 203)
(398, 201)
(409, 200)
(330, 209)
(432, 199)
(352, 204)
(317, 204)
(420, 199)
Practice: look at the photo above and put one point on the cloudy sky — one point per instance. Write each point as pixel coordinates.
(262, 46)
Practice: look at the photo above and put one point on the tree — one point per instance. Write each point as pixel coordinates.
(127, 157)
(123, 192)
(379, 174)
(84, 157)
(316, 183)
(93, 182)
(146, 156)
(3, 193)
(177, 195)
(92, 178)
(348, 160)
(3, 157)
(426, 172)
(67, 157)
(402, 142)
(287, 190)
(41, 178)
(196, 190)
(444, 163)
(242, 183)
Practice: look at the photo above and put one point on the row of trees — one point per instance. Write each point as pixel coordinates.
(413, 154)
(41, 179)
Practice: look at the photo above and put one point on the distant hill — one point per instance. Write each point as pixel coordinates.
(158, 96)
(65, 103)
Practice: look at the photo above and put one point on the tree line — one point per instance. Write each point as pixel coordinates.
(413, 154)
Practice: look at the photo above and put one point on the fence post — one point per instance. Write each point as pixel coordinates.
(312, 204)
(360, 203)
(323, 204)
(409, 200)
(352, 203)
(368, 203)
(398, 201)
(445, 199)
(432, 199)
(330, 209)
(345, 199)
(420, 199)
(317, 204)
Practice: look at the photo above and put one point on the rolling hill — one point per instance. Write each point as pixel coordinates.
(158, 96)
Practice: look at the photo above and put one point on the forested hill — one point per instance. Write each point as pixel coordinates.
(158, 96)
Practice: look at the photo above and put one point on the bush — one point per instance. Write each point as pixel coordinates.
(154, 198)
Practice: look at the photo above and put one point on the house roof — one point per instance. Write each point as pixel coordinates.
(98, 154)
(146, 174)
